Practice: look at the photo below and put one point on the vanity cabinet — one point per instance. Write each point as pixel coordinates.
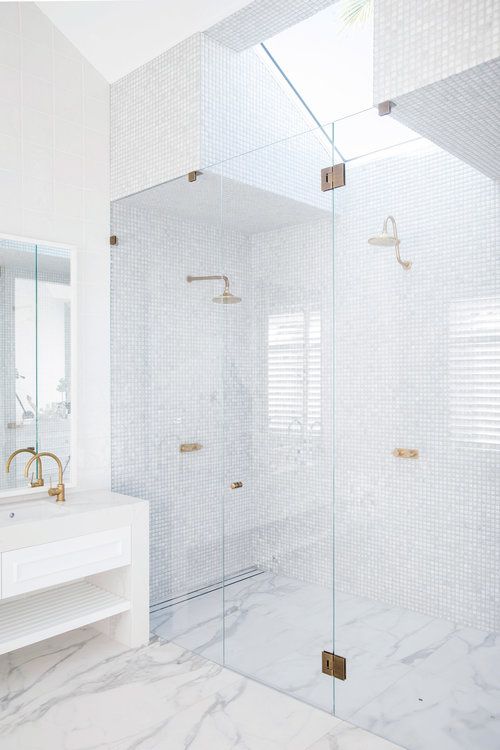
(44, 565)
(84, 562)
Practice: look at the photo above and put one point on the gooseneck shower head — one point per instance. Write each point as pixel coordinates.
(226, 298)
(384, 239)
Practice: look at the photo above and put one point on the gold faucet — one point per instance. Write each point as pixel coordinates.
(38, 482)
(57, 492)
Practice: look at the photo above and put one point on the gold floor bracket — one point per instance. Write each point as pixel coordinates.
(333, 665)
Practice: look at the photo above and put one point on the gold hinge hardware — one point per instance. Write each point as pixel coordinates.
(333, 177)
(384, 108)
(113, 240)
(193, 175)
(333, 665)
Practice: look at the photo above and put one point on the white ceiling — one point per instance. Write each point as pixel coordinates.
(117, 36)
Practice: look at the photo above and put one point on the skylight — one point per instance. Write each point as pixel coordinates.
(328, 67)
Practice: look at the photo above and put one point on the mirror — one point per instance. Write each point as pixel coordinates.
(35, 345)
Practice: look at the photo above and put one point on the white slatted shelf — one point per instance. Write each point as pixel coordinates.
(36, 616)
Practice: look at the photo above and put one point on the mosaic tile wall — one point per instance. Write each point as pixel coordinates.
(265, 115)
(155, 115)
(293, 477)
(176, 360)
(261, 20)
(416, 44)
(421, 534)
(469, 98)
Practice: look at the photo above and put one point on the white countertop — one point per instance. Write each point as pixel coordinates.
(36, 519)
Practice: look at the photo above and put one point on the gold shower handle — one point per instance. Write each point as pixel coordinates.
(406, 453)
(236, 485)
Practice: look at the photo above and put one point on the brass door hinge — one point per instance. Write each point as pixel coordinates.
(333, 177)
(333, 665)
(113, 240)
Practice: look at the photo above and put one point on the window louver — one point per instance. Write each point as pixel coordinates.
(475, 372)
(294, 372)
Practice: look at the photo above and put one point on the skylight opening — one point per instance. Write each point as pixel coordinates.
(326, 66)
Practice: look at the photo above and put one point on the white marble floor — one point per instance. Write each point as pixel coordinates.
(81, 691)
(418, 681)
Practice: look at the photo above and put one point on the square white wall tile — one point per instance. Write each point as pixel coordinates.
(10, 17)
(42, 193)
(10, 49)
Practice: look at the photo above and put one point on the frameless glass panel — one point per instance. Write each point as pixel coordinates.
(54, 356)
(417, 453)
(167, 387)
(278, 420)
(18, 360)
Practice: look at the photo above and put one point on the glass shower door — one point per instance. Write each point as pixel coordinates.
(278, 415)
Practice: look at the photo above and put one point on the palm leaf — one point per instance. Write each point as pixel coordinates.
(356, 12)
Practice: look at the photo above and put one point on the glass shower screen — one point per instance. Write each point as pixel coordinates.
(278, 415)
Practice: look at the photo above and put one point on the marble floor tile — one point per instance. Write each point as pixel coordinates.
(348, 737)
(65, 680)
(422, 682)
(427, 712)
(82, 691)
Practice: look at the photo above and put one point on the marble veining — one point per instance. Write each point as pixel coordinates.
(81, 691)
(421, 682)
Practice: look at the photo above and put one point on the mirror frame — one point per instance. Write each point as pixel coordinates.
(72, 249)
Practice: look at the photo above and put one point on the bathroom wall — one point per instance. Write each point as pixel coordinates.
(415, 367)
(416, 44)
(175, 379)
(155, 116)
(185, 110)
(54, 186)
(261, 20)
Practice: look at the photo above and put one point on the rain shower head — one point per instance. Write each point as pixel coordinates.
(384, 239)
(226, 298)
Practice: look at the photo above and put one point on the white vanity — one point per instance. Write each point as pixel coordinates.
(65, 565)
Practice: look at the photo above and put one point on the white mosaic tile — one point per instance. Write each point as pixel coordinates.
(172, 383)
(155, 115)
(262, 19)
(468, 98)
(416, 44)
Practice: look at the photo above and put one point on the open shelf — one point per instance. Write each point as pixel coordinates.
(36, 616)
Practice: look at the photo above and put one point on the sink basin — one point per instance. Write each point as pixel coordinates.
(23, 511)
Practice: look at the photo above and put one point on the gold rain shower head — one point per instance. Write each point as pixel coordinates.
(226, 298)
(384, 239)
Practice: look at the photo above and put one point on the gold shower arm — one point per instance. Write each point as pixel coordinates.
(189, 279)
(405, 263)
